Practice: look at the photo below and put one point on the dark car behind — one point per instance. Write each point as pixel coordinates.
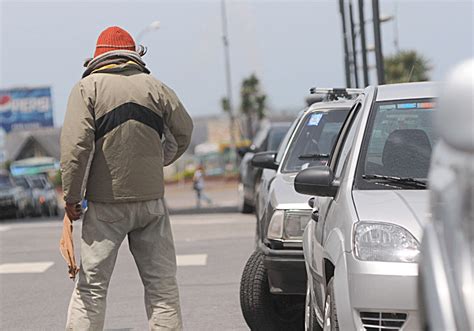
(14, 200)
(268, 138)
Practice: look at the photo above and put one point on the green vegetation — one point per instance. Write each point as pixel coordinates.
(406, 66)
(253, 103)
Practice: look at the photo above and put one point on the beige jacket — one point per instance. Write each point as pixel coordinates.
(115, 121)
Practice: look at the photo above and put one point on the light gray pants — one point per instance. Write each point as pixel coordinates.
(151, 243)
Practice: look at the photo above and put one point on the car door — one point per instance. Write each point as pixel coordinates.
(323, 205)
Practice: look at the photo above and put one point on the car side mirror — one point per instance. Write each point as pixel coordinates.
(316, 181)
(265, 160)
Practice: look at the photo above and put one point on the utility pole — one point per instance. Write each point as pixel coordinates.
(225, 40)
(363, 41)
(346, 46)
(378, 42)
(354, 48)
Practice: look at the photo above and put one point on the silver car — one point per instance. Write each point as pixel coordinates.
(273, 281)
(361, 247)
(447, 249)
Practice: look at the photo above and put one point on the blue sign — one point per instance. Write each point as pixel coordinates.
(25, 108)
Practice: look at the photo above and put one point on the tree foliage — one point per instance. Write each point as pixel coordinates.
(406, 66)
(253, 103)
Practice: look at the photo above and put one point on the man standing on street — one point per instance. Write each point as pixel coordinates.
(111, 148)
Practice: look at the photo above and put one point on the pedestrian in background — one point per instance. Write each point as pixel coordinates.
(198, 187)
(111, 146)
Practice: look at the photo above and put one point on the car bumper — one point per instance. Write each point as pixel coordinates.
(376, 295)
(286, 270)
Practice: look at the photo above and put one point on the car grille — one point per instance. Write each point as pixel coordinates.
(378, 321)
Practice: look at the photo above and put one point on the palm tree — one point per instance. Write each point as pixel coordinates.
(406, 66)
(253, 103)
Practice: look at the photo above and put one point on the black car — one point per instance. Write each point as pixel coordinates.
(268, 138)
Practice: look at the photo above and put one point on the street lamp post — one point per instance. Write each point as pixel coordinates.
(225, 41)
(363, 41)
(378, 42)
(345, 39)
(354, 49)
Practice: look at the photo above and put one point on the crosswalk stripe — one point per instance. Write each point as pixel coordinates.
(5, 228)
(191, 260)
(25, 268)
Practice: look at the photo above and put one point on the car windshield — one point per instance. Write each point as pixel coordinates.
(398, 144)
(276, 136)
(314, 140)
(5, 182)
(37, 183)
(21, 181)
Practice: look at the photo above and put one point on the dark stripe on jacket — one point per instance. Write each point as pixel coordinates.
(123, 113)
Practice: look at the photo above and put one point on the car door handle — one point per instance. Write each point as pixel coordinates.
(311, 202)
(315, 215)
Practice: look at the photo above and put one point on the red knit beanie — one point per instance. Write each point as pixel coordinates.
(114, 38)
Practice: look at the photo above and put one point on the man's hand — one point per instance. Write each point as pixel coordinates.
(73, 211)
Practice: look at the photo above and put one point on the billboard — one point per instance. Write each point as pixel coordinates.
(25, 108)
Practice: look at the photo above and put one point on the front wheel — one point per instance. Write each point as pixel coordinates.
(263, 310)
(330, 313)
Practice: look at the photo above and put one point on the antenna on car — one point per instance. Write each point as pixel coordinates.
(337, 93)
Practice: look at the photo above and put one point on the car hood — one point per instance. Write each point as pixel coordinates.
(406, 208)
(283, 194)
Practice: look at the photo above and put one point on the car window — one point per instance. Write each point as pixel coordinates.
(284, 142)
(275, 137)
(348, 141)
(314, 140)
(37, 183)
(398, 141)
(260, 139)
(21, 181)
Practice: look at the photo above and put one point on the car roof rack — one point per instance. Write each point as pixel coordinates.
(336, 93)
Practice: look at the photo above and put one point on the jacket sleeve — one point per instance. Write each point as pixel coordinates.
(178, 121)
(77, 144)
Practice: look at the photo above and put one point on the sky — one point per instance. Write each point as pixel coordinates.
(291, 45)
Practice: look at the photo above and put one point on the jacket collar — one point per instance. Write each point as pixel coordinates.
(115, 61)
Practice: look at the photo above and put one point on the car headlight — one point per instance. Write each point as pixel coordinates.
(288, 224)
(384, 242)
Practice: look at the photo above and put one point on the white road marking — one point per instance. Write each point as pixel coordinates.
(5, 228)
(191, 260)
(25, 268)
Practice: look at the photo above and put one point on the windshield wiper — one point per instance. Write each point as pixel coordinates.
(407, 181)
(313, 156)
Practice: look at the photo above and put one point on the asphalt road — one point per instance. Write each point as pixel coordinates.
(212, 250)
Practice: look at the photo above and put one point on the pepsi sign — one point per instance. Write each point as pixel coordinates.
(25, 108)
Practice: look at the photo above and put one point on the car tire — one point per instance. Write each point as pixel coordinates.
(243, 206)
(259, 306)
(330, 313)
(311, 321)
